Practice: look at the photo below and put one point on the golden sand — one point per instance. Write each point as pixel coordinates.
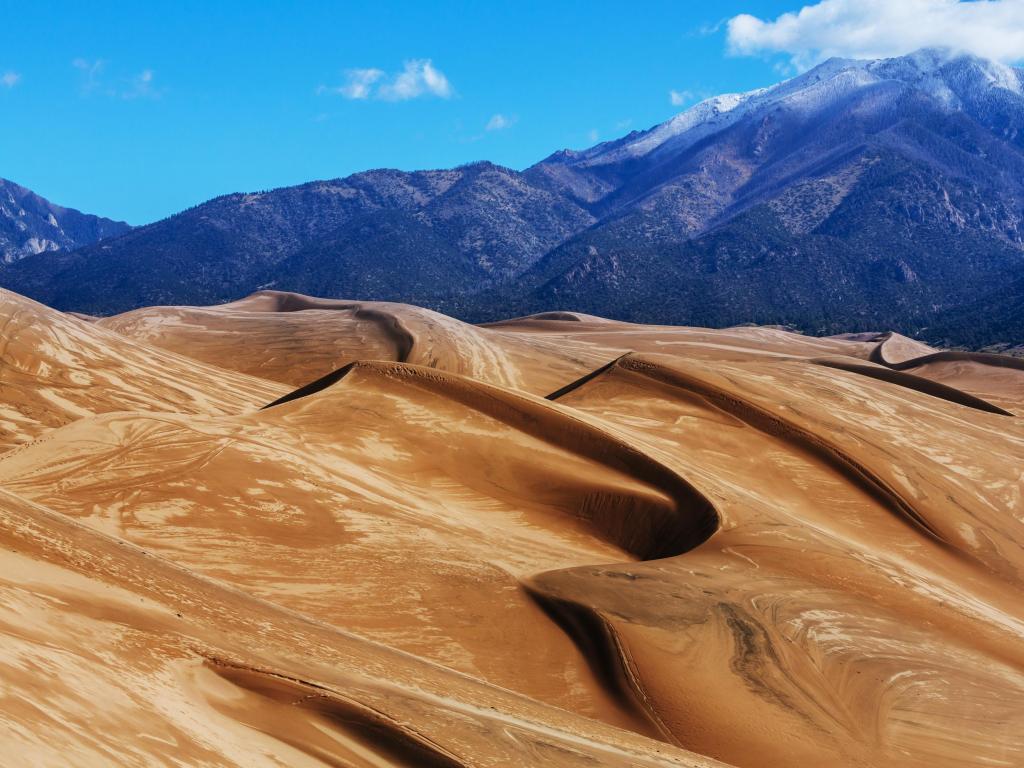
(293, 531)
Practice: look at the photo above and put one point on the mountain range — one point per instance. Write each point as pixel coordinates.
(860, 195)
(29, 225)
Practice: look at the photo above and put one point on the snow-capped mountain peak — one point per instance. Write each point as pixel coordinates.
(943, 74)
(711, 114)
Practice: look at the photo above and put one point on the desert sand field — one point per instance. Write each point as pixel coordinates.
(289, 531)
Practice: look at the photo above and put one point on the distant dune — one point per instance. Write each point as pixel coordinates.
(295, 531)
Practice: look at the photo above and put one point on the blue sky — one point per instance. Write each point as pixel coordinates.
(138, 110)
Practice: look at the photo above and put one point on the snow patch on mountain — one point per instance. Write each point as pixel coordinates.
(942, 74)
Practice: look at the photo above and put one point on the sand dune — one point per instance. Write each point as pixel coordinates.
(841, 596)
(365, 534)
(295, 339)
(112, 655)
(894, 349)
(928, 386)
(55, 368)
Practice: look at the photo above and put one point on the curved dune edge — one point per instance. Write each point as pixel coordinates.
(601, 646)
(647, 532)
(321, 708)
(574, 385)
(270, 302)
(593, 633)
(646, 525)
(313, 387)
(284, 301)
(392, 326)
(923, 514)
(894, 349)
(566, 316)
(259, 646)
(779, 426)
(586, 597)
(281, 301)
(879, 355)
(920, 384)
(635, 525)
(243, 554)
(953, 356)
(541, 319)
(293, 339)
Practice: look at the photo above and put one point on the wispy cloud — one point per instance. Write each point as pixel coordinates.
(418, 77)
(500, 122)
(140, 86)
(593, 135)
(91, 70)
(679, 98)
(9, 79)
(707, 29)
(95, 81)
(879, 28)
(496, 123)
(359, 83)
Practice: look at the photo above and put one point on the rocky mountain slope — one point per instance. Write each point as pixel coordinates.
(426, 234)
(30, 224)
(859, 195)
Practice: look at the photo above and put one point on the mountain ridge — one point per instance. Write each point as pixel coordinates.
(31, 224)
(883, 175)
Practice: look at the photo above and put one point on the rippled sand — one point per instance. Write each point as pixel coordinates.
(292, 531)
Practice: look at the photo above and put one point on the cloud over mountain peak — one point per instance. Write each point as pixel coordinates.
(881, 28)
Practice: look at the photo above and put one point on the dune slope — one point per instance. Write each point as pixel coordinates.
(364, 534)
(55, 368)
(294, 339)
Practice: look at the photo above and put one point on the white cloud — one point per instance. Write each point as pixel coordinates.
(500, 122)
(359, 82)
(419, 77)
(10, 79)
(593, 135)
(880, 28)
(678, 98)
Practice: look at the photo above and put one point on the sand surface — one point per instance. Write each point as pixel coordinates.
(294, 531)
